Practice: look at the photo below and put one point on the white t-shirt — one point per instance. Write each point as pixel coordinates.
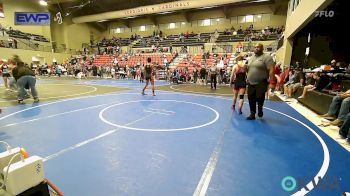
(221, 64)
(213, 69)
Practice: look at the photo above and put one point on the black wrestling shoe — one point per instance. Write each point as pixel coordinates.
(251, 117)
(260, 114)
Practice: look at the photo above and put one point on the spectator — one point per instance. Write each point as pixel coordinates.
(203, 73)
(341, 105)
(195, 75)
(333, 64)
(2, 30)
(239, 47)
(15, 43)
(213, 76)
(10, 40)
(23, 76)
(313, 85)
(344, 129)
(297, 82)
(276, 80)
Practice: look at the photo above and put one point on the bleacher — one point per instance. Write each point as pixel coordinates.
(27, 36)
(230, 38)
(114, 42)
(174, 40)
(184, 40)
(133, 60)
(317, 101)
(258, 36)
(205, 36)
(198, 61)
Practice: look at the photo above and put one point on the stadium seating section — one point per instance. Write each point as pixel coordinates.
(133, 60)
(27, 36)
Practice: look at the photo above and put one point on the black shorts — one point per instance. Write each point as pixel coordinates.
(148, 77)
(241, 86)
(6, 75)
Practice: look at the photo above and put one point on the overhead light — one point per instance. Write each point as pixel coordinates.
(183, 23)
(43, 3)
(130, 17)
(258, 1)
(165, 13)
(101, 20)
(142, 28)
(2, 15)
(217, 20)
(259, 16)
(67, 14)
(208, 7)
(172, 25)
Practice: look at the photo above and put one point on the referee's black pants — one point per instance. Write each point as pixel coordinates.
(256, 94)
(213, 80)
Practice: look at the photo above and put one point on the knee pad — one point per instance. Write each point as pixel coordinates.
(241, 96)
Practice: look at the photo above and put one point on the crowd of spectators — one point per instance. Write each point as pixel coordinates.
(248, 34)
(325, 80)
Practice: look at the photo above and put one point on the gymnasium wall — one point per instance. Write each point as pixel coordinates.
(280, 54)
(26, 55)
(302, 15)
(73, 35)
(277, 19)
(320, 53)
(12, 6)
(297, 20)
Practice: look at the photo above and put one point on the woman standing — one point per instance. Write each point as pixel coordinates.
(238, 82)
(5, 74)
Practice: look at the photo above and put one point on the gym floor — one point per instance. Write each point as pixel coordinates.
(102, 137)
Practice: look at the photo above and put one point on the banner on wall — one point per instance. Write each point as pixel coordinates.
(2, 15)
(32, 18)
(162, 8)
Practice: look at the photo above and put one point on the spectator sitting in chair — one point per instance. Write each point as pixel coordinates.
(313, 84)
(341, 105)
(297, 82)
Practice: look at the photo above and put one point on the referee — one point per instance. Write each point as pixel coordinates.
(260, 69)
